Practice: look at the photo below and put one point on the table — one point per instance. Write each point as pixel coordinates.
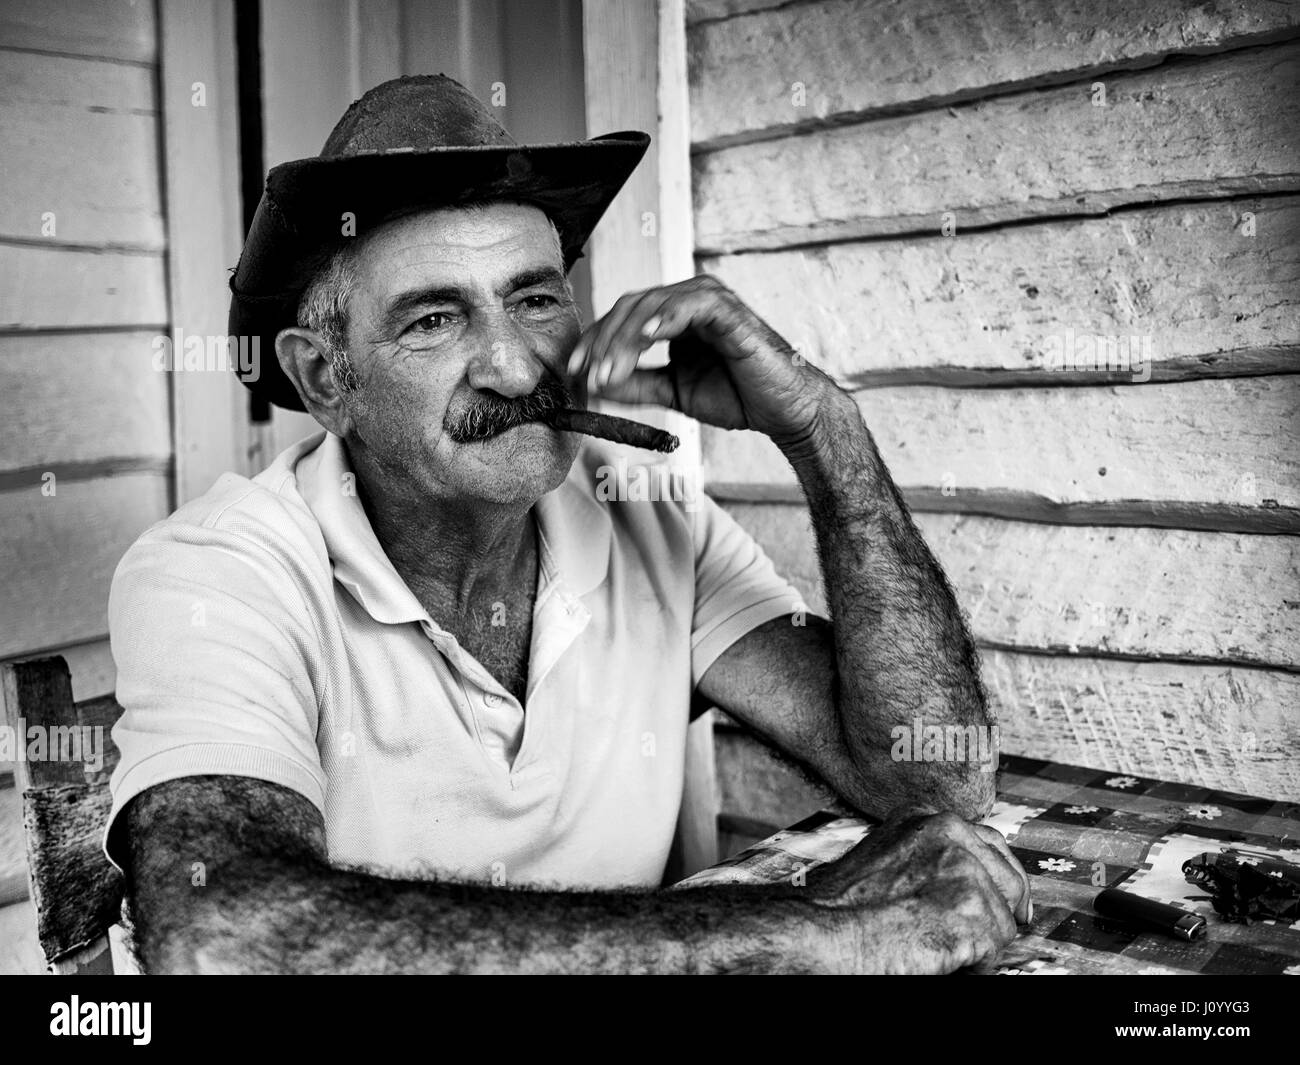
(1079, 830)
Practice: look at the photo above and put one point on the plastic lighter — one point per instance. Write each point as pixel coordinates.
(1159, 916)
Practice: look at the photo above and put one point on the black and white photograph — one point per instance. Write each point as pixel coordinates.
(651, 487)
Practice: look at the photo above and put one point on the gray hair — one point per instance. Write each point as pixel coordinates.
(323, 307)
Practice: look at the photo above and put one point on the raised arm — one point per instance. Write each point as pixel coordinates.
(839, 697)
(228, 875)
(902, 650)
(898, 651)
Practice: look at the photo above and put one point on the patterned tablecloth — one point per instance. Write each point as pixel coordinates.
(1077, 831)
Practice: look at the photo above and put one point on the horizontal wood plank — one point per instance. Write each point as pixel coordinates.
(1230, 729)
(1227, 728)
(699, 10)
(1024, 506)
(856, 57)
(1140, 592)
(61, 288)
(1194, 445)
(53, 417)
(81, 153)
(757, 784)
(1180, 291)
(112, 29)
(94, 673)
(1221, 126)
(58, 555)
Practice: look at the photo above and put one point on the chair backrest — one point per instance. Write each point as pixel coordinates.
(64, 758)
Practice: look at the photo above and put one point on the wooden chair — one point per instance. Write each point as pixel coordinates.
(76, 892)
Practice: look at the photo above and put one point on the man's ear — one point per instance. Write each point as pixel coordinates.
(302, 357)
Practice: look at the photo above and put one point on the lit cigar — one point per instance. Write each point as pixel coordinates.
(608, 427)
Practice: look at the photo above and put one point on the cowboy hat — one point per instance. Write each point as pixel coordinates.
(410, 143)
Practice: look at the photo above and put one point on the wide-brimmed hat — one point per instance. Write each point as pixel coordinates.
(406, 144)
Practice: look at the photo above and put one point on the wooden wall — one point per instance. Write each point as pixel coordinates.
(83, 290)
(1127, 550)
(118, 221)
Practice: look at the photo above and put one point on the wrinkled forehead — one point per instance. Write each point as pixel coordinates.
(470, 247)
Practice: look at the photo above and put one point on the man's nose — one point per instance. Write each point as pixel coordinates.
(505, 362)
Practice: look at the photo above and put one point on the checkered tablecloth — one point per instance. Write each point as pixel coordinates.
(1077, 831)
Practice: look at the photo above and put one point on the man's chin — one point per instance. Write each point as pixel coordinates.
(525, 461)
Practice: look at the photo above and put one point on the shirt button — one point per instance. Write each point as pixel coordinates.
(492, 699)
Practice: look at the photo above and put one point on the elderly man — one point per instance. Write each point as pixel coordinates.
(414, 700)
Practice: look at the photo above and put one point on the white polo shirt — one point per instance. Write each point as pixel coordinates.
(261, 631)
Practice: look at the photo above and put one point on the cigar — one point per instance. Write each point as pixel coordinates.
(608, 427)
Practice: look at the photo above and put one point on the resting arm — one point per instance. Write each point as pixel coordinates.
(269, 903)
(829, 696)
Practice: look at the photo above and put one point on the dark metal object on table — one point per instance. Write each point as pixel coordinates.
(1246, 886)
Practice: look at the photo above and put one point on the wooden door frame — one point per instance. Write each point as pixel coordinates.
(199, 99)
(634, 62)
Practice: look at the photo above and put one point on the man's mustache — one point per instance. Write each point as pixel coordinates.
(491, 414)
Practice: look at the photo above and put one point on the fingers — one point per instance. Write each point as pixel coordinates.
(998, 861)
(608, 351)
(580, 358)
(993, 838)
(969, 886)
(610, 348)
(996, 917)
(985, 844)
(964, 907)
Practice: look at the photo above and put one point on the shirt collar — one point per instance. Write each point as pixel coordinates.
(573, 526)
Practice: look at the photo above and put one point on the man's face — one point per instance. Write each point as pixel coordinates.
(456, 317)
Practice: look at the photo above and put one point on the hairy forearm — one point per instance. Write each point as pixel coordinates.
(272, 916)
(903, 652)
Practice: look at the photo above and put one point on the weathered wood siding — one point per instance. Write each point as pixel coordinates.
(118, 224)
(86, 459)
(85, 462)
(933, 201)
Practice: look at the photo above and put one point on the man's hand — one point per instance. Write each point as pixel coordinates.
(726, 366)
(923, 894)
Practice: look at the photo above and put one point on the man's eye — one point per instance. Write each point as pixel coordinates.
(539, 302)
(431, 323)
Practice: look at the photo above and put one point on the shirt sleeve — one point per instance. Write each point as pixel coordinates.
(214, 649)
(736, 586)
